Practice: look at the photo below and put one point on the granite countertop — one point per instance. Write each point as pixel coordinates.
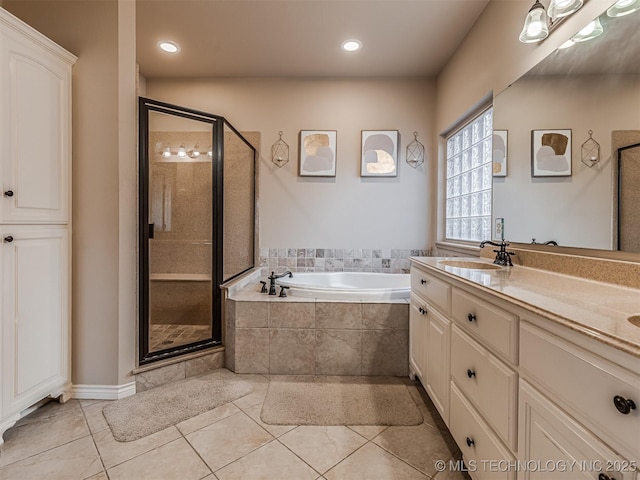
(599, 310)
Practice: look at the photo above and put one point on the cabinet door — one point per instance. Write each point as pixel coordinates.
(438, 362)
(35, 314)
(417, 337)
(554, 446)
(35, 101)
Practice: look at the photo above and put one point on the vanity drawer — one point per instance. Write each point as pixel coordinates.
(479, 446)
(492, 325)
(585, 385)
(435, 291)
(487, 382)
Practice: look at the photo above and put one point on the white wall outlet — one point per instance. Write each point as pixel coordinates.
(500, 228)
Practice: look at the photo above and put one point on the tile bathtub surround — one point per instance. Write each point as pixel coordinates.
(310, 337)
(380, 260)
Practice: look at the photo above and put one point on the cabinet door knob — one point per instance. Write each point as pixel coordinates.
(624, 405)
(471, 317)
(8, 239)
(470, 442)
(423, 281)
(471, 373)
(422, 311)
(8, 193)
(602, 476)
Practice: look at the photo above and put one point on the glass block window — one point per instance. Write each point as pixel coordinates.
(469, 177)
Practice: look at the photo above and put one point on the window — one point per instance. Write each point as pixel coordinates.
(469, 177)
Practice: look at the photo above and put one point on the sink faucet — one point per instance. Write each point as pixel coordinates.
(272, 281)
(502, 256)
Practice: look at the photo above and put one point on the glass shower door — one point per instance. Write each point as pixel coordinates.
(179, 240)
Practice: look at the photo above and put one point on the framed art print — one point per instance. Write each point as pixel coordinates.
(379, 153)
(318, 153)
(551, 153)
(500, 149)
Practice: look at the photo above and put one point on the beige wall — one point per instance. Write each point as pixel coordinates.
(102, 35)
(342, 212)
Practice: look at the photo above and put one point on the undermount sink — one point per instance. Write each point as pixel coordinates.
(470, 265)
(635, 320)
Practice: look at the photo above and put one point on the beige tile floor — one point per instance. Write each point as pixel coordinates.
(169, 335)
(73, 441)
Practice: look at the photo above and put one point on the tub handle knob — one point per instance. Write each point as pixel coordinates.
(282, 291)
(264, 287)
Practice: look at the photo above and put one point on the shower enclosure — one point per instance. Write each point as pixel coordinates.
(197, 225)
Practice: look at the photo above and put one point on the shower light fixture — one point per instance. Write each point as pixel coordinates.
(623, 7)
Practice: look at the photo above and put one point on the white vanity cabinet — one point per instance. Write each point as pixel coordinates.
(429, 337)
(35, 172)
(529, 397)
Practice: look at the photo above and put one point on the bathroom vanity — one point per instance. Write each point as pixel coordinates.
(536, 374)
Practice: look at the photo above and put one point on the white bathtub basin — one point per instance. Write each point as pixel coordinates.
(348, 285)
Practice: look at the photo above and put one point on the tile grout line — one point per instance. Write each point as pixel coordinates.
(104, 468)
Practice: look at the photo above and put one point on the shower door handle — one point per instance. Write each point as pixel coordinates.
(151, 230)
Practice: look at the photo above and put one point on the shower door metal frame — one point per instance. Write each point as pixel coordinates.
(145, 106)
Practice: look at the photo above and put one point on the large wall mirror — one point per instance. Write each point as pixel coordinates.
(548, 114)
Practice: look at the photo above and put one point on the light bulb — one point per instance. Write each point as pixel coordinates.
(182, 152)
(166, 153)
(351, 45)
(169, 47)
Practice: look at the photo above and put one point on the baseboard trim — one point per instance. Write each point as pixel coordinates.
(103, 392)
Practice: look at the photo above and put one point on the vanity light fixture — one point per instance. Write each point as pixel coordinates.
(169, 47)
(591, 31)
(536, 26)
(194, 152)
(563, 8)
(351, 45)
(623, 7)
(210, 152)
(182, 152)
(567, 44)
(166, 153)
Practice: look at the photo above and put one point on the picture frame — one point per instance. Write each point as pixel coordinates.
(318, 153)
(500, 141)
(551, 153)
(380, 150)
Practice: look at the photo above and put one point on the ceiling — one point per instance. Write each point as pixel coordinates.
(301, 38)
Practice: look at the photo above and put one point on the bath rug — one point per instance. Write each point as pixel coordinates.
(153, 410)
(329, 400)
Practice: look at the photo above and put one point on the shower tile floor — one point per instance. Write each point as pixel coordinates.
(163, 336)
(73, 441)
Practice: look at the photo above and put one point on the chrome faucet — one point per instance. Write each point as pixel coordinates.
(272, 282)
(502, 256)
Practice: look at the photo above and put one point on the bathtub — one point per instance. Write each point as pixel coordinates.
(348, 285)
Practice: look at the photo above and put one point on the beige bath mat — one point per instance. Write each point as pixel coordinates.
(323, 400)
(156, 409)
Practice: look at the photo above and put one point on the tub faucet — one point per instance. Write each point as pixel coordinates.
(272, 281)
(502, 256)
(550, 242)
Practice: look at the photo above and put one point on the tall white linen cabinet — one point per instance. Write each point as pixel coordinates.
(35, 219)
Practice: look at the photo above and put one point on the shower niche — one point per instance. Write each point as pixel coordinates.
(197, 225)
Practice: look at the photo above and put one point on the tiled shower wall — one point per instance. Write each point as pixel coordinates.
(337, 259)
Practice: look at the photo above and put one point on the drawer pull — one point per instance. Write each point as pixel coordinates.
(422, 311)
(470, 442)
(471, 317)
(602, 476)
(8, 239)
(471, 373)
(624, 405)
(423, 281)
(8, 193)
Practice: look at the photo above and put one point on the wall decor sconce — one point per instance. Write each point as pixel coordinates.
(539, 22)
(415, 152)
(280, 152)
(590, 151)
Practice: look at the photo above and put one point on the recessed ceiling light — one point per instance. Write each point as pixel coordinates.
(351, 45)
(169, 47)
